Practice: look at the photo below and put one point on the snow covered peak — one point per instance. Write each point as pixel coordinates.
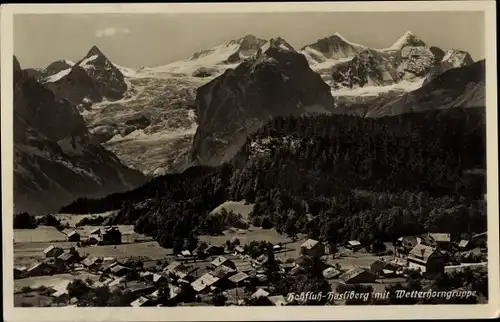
(278, 43)
(342, 38)
(408, 39)
(94, 51)
(457, 58)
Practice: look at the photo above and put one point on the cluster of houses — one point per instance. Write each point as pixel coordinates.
(189, 281)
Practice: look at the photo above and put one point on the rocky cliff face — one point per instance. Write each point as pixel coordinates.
(55, 159)
(458, 87)
(276, 81)
(87, 81)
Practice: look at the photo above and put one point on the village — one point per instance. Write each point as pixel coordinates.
(230, 272)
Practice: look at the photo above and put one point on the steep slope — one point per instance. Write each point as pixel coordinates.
(55, 160)
(272, 83)
(458, 87)
(453, 58)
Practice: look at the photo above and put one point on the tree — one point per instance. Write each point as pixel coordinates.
(25, 220)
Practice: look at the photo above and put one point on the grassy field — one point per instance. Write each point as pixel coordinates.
(258, 234)
(72, 219)
(238, 207)
(39, 234)
(51, 280)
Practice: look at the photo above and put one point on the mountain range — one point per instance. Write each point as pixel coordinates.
(201, 110)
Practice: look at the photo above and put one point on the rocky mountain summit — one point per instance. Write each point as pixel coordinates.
(276, 81)
(92, 79)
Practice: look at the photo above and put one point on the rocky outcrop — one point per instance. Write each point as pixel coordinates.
(55, 159)
(274, 82)
(458, 87)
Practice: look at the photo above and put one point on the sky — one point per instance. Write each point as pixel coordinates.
(137, 40)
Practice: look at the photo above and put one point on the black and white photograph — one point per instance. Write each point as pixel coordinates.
(236, 158)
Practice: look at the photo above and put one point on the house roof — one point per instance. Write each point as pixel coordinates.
(260, 293)
(331, 272)
(244, 266)
(463, 243)
(239, 249)
(48, 249)
(352, 273)
(95, 230)
(440, 237)
(277, 300)
(71, 233)
(36, 265)
(238, 277)
(421, 252)
(140, 301)
(204, 281)
(90, 260)
(222, 271)
(65, 256)
(173, 266)
(185, 253)
(117, 268)
(309, 244)
(288, 265)
(59, 293)
(219, 261)
(479, 235)
(297, 269)
(20, 268)
(354, 243)
(116, 282)
(379, 263)
(136, 286)
(157, 277)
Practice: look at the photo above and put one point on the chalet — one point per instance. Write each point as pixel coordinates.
(92, 262)
(426, 259)
(186, 253)
(39, 269)
(312, 248)
(214, 250)
(204, 283)
(223, 271)
(172, 267)
(137, 288)
(261, 260)
(93, 240)
(260, 293)
(277, 300)
(116, 283)
(357, 275)
(111, 236)
(20, 271)
(142, 302)
(159, 278)
(464, 244)
(120, 270)
(377, 267)
(331, 272)
(244, 266)
(239, 250)
(52, 251)
(238, 278)
(67, 258)
(287, 266)
(174, 291)
(354, 245)
(221, 260)
(440, 240)
(60, 296)
(479, 240)
(96, 231)
(277, 248)
(73, 236)
(408, 242)
(297, 270)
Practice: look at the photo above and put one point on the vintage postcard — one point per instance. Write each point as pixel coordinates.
(188, 162)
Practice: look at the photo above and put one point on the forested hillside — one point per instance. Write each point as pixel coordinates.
(334, 177)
